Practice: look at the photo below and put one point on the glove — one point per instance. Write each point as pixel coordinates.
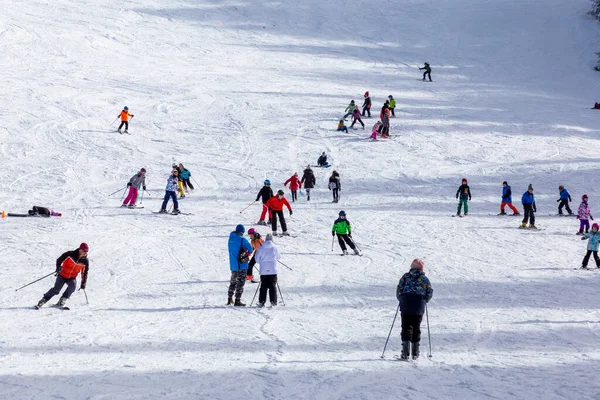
(332, 233)
(82, 286)
(592, 218)
(350, 235)
(144, 187)
(557, 200)
(132, 115)
(534, 209)
(128, 184)
(57, 271)
(291, 212)
(457, 197)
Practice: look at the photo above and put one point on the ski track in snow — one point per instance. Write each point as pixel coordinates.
(241, 92)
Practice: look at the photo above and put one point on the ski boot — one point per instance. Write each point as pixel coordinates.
(532, 226)
(123, 205)
(41, 303)
(345, 253)
(182, 196)
(229, 301)
(249, 277)
(466, 214)
(176, 211)
(61, 302)
(356, 252)
(162, 211)
(261, 222)
(274, 303)
(405, 350)
(458, 213)
(275, 234)
(285, 233)
(118, 130)
(584, 267)
(260, 305)
(523, 225)
(415, 350)
(238, 303)
(131, 206)
(516, 214)
(502, 212)
(126, 131)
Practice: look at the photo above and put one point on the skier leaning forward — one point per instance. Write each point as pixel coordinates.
(68, 266)
(341, 227)
(275, 205)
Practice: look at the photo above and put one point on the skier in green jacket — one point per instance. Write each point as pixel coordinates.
(350, 109)
(342, 228)
(392, 104)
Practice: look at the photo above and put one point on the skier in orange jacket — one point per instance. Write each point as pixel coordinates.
(124, 119)
(275, 204)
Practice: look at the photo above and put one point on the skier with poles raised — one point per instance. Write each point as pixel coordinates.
(341, 227)
(265, 194)
(267, 256)
(134, 184)
(275, 205)
(68, 266)
(239, 253)
(124, 119)
(413, 292)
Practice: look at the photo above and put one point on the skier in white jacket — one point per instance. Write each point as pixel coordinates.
(267, 256)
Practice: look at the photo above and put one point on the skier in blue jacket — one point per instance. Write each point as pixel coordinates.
(507, 200)
(564, 199)
(239, 247)
(528, 201)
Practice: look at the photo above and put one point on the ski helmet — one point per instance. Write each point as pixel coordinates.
(595, 226)
(267, 182)
(251, 231)
(143, 170)
(342, 213)
(367, 93)
(561, 187)
(390, 97)
(584, 197)
(280, 192)
(125, 108)
(505, 183)
(240, 229)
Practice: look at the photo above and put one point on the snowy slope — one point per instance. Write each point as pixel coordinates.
(241, 91)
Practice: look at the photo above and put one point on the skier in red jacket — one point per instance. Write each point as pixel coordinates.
(275, 205)
(295, 184)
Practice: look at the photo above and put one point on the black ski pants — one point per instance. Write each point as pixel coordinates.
(586, 259)
(393, 113)
(251, 265)
(186, 183)
(528, 214)
(366, 110)
(427, 73)
(359, 120)
(411, 327)
(336, 194)
(564, 203)
(294, 195)
(126, 123)
(60, 282)
(268, 283)
(278, 213)
(345, 238)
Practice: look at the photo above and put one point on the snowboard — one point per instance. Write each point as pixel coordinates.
(530, 229)
(17, 215)
(323, 166)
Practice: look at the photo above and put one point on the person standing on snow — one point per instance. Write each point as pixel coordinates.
(267, 256)
(256, 241)
(376, 129)
(322, 161)
(68, 266)
(584, 215)
(335, 185)
(341, 227)
(124, 115)
(529, 208)
(350, 109)
(135, 183)
(413, 292)
(392, 105)
(239, 253)
(275, 204)
(185, 175)
(179, 181)
(172, 182)
(592, 246)
(385, 119)
(308, 180)
(465, 195)
(564, 199)
(265, 193)
(507, 200)
(366, 106)
(427, 72)
(295, 184)
(356, 117)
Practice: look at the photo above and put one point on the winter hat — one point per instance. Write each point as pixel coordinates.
(464, 180)
(561, 187)
(251, 231)
(530, 187)
(342, 213)
(280, 192)
(584, 197)
(352, 101)
(367, 93)
(417, 264)
(267, 182)
(269, 237)
(143, 170)
(125, 108)
(505, 183)
(240, 229)
(390, 97)
(295, 174)
(174, 165)
(83, 246)
(595, 226)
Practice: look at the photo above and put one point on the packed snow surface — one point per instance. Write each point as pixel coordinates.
(241, 91)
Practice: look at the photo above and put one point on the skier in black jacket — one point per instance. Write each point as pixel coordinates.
(427, 72)
(308, 180)
(266, 193)
(366, 106)
(464, 195)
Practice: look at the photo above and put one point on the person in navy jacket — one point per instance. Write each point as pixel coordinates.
(507, 200)
(528, 201)
(564, 200)
(237, 246)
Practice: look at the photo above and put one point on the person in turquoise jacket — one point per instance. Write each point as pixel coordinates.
(185, 175)
(592, 247)
(238, 246)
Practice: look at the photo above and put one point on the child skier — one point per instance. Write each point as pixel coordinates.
(350, 109)
(343, 230)
(464, 192)
(335, 186)
(135, 183)
(564, 199)
(584, 215)
(275, 204)
(427, 72)
(376, 129)
(529, 208)
(179, 181)
(267, 257)
(356, 117)
(342, 127)
(125, 119)
(295, 184)
(185, 175)
(309, 181)
(367, 105)
(507, 200)
(172, 181)
(256, 241)
(385, 119)
(265, 193)
(592, 246)
(392, 105)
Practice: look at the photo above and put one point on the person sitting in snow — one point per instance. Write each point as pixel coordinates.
(342, 127)
(322, 161)
(38, 211)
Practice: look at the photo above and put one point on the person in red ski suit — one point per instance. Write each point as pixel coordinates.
(275, 205)
(295, 184)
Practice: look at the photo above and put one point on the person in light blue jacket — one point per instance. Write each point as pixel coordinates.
(240, 250)
(172, 182)
(592, 247)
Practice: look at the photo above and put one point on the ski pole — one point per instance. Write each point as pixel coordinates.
(147, 192)
(258, 287)
(389, 334)
(280, 295)
(192, 178)
(114, 121)
(428, 331)
(124, 191)
(115, 192)
(332, 239)
(142, 198)
(86, 298)
(37, 280)
(284, 265)
(248, 206)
